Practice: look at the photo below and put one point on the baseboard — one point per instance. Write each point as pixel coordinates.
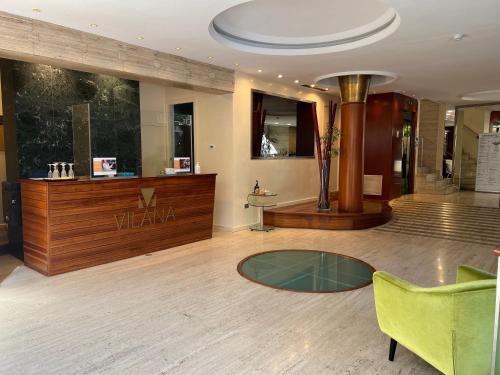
(239, 228)
(297, 201)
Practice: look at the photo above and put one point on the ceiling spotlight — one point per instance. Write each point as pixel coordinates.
(459, 37)
(259, 71)
(37, 10)
(313, 85)
(94, 25)
(326, 88)
(178, 48)
(210, 57)
(236, 64)
(280, 75)
(296, 81)
(140, 37)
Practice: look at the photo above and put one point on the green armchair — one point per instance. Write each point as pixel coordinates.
(449, 326)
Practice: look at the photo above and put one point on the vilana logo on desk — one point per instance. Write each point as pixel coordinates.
(150, 214)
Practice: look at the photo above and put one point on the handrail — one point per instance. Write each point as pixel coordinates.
(471, 130)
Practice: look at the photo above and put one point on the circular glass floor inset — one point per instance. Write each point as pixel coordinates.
(306, 271)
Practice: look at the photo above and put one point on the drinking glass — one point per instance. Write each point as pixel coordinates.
(55, 173)
(63, 170)
(71, 173)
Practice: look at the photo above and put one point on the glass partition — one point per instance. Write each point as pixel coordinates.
(81, 139)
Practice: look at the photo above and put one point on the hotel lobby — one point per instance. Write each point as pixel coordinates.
(249, 187)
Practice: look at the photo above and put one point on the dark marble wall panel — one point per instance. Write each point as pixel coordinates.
(43, 99)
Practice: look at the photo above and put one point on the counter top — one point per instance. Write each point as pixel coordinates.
(86, 180)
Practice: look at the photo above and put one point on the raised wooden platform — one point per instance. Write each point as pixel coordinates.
(306, 215)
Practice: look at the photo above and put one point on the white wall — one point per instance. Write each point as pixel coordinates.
(212, 126)
(294, 180)
(224, 121)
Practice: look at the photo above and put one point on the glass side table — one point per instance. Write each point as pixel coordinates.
(262, 201)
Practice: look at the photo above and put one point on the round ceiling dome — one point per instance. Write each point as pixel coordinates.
(298, 27)
(493, 95)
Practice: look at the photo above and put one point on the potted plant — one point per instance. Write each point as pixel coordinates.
(325, 150)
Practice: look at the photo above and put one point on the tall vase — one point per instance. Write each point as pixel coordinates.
(324, 193)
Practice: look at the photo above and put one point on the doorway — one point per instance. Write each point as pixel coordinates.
(408, 156)
(183, 137)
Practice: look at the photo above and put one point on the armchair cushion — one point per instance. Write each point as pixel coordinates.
(468, 273)
(449, 326)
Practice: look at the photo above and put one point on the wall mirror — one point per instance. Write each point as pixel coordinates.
(281, 127)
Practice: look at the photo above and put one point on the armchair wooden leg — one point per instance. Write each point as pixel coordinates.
(392, 349)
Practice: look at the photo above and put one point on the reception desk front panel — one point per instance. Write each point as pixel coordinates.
(76, 224)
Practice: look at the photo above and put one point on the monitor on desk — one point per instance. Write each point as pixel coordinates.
(104, 167)
(182, 165)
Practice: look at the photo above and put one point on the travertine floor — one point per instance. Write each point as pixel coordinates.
(469, 198)
(187, 310)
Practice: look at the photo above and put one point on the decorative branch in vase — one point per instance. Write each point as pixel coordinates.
(325, 150)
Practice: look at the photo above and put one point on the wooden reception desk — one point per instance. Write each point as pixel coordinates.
(68, 225)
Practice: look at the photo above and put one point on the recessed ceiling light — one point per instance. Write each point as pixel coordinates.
(94, 25)
(140, 37)
(459, 37)
(296, 81)
(178, 48)
(37, 10)
(210, 57)
(280, 75)
(259, 71)
(236, 64)
(313, 85)
(326, 88)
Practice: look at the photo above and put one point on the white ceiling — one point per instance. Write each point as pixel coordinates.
(421, 52)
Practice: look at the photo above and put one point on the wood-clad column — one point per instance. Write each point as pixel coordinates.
(353, 91)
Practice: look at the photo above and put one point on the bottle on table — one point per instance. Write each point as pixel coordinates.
(256, 189)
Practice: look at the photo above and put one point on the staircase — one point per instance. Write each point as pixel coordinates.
(432, 183)
(468, 172)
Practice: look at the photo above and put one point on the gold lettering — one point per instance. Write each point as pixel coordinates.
(119, 224)
(149, 217)
(146, 216)
(170, 213)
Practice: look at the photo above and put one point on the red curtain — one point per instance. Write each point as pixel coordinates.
(258, 119)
